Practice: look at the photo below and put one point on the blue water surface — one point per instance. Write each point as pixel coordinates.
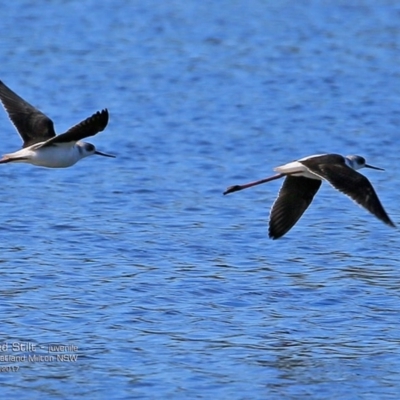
(161, 286)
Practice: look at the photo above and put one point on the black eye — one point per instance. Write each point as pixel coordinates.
(89, 147)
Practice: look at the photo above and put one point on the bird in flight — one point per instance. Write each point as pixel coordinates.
(303, 178)
(41, 146)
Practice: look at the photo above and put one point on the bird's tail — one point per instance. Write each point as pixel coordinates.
(6, 159)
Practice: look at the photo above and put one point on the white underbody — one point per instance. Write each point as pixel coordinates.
(56, 156)
(298, 169)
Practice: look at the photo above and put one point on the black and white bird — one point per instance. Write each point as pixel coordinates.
(303, 178)
(41, 146)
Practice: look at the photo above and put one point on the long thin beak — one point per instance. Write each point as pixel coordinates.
(236, 188)
(103, 154)
(370, 166)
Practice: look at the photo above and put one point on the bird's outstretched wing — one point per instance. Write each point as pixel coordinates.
(32, 125)
(354, 185)
(89, 127)
(293, 199)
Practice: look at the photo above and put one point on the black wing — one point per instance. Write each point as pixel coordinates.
(32, 125)
(354, 185)
(89, 127)
(293, 199)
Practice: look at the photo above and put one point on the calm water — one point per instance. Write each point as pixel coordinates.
(158, 284)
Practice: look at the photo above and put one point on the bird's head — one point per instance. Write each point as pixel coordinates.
(88, 149)
(358, 162)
